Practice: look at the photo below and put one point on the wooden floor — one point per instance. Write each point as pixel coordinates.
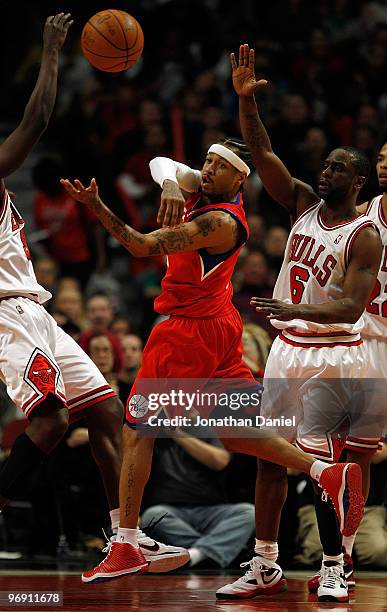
(183, 593)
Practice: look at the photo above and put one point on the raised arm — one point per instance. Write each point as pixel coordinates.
(290, 193)
(359, 281)
(212, 229)
(173, 177)
(17, 146)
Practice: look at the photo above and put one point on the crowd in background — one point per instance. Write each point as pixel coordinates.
(326, 66)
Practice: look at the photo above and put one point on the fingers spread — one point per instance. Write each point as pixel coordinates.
(78, 184)
(232, 60)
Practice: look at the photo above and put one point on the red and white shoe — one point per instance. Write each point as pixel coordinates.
(333, 586)
(343, 483)
(161, 557)
(314, 582)
(263, 578)
(122, 559)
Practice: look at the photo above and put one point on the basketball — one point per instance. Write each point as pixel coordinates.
(112, 40)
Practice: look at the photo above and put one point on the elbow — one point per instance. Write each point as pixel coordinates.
(221, 461)
(37, 121)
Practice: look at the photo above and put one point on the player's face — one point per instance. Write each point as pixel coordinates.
(338, 177)
(381, 168)
(219, 176)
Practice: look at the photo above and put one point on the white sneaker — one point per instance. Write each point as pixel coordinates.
(263, 578)
(161, 557)
(333, 586)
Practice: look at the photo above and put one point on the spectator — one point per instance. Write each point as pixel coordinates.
(256, 347)
(132, 346)
(275, 245)
(255, 274)
(68, 302)
(66, 223)
(121, 326)
(99, 312)
(193, 502)
(107, 357)
(46, 272)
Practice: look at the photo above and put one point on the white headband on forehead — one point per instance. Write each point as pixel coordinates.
(230, 156)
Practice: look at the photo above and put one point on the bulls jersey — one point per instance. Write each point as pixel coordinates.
(315, 262)
(196, 283)
(17, 276)
(376, 312)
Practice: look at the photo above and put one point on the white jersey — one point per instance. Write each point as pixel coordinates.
(313, 272)
(375, 316)
(17, 276)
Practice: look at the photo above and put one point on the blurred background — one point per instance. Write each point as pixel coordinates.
(326, 63)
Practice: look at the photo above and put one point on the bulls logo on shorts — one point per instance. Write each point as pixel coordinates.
(41, 373)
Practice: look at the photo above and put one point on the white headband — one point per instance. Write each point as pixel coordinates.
(230, 156)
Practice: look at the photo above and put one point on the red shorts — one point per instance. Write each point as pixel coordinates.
(182, 348)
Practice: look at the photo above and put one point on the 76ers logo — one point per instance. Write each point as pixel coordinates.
(41, 373)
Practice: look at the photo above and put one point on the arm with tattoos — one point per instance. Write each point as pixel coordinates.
(359, 281)
(289, 192)
(212, 229)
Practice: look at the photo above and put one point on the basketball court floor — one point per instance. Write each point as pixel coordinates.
(183, 592)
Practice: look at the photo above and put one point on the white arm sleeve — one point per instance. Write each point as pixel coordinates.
(163, 168)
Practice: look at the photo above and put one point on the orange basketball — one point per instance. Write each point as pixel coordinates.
(112, 40)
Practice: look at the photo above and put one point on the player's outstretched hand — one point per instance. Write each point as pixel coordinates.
(86, 195)
(171, 206)
(55, 30)
(275, 309)
(243, 73)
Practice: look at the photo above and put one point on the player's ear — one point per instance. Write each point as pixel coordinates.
(360, 182)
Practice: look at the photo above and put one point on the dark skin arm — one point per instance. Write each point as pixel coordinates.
(291, 193)
(216, 231)
(17, 146)
(358, 283)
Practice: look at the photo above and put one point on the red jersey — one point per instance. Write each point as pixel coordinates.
(198, 284)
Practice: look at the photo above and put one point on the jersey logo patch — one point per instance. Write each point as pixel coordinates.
(338, 238)
(41, 374)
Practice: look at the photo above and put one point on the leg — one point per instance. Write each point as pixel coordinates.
(48, 424)
(135, 471)
(104, 422)
(364, 460)
(225, 530)
(174, 528)
(270, 495)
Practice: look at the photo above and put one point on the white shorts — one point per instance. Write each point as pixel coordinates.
(38, 358)
(322, 387)
(376, 382)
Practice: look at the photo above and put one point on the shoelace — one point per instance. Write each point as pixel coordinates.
(330, 575)
(145, 539)
(256, 564)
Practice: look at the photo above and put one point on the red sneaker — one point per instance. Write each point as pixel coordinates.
(314, 582)
(122, 559)
(343, 482)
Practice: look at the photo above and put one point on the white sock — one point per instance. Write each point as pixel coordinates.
(339, 559)
(317, 468)
(115, 519)
(196, 556)
(266, 549)
(348, 542)
(127, 536)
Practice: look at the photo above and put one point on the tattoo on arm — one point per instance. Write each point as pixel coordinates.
(253, 130)
(126, 235)
(176, 240)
